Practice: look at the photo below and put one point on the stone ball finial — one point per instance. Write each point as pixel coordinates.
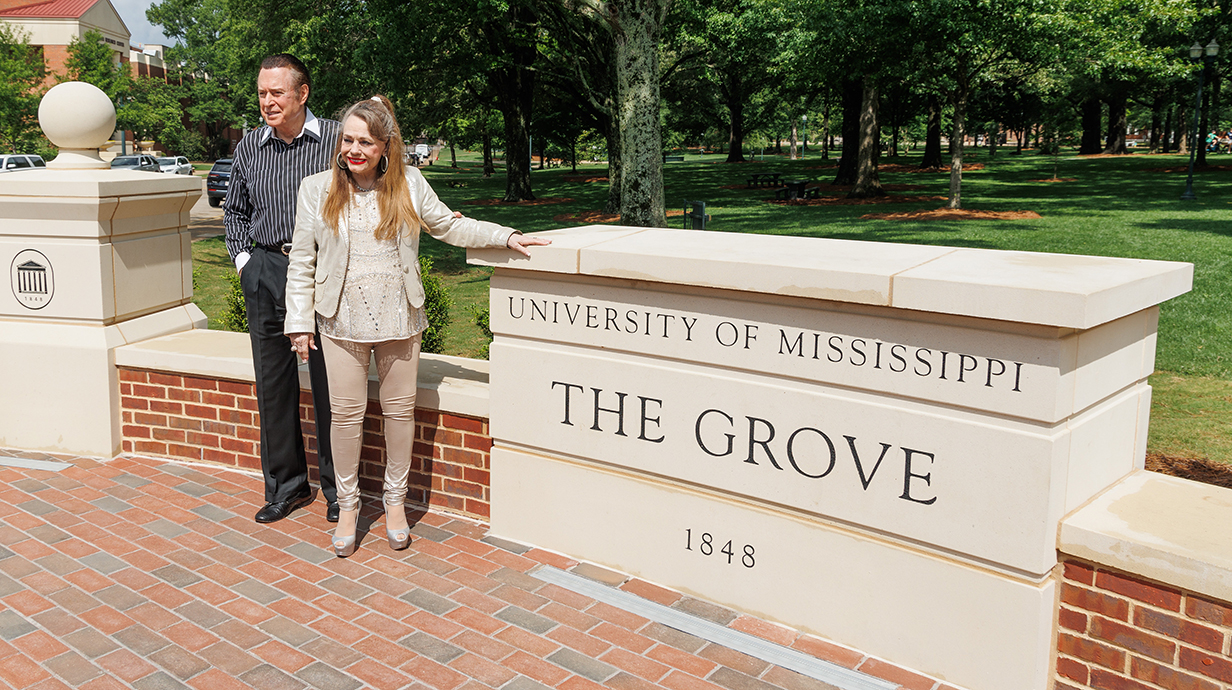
(79, 118)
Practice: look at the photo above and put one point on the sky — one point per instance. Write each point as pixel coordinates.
(133, 14)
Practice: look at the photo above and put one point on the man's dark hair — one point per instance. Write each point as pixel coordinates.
(302, 76)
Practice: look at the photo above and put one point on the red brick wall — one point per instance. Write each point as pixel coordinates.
(215, 420)
(1120, 632)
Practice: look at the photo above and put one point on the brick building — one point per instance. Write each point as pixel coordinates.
(147, 61)
(53, 24)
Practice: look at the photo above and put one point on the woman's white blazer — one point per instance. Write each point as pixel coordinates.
(318, 260)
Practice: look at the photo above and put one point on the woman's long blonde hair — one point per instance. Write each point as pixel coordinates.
(392, 190)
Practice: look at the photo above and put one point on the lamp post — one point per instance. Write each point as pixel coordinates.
(1196, 51)
(804, 126)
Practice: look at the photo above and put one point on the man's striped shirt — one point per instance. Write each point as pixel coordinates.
(265, 176)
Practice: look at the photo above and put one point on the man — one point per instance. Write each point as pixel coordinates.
(259, 217)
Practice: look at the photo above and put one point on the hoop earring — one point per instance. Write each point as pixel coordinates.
(383, 165)
(341, 163)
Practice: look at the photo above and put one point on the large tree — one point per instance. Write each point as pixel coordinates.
(203, 63)
(739, 50)
(962, 44)
(91, 60)
(21, 89)
(637, 25)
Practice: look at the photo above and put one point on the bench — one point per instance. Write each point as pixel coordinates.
(695, 216)
(673, 158)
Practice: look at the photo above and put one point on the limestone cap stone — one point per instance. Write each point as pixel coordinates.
(79, 118)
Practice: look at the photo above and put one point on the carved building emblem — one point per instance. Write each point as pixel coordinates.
(33, 282)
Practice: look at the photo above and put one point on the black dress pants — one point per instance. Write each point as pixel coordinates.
(283, 462)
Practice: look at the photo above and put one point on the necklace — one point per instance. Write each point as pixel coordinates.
(363, 189)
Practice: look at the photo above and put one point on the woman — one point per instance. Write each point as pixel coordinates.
(354, 274)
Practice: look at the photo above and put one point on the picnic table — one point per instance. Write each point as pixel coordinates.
(795, 189)
(764, 179)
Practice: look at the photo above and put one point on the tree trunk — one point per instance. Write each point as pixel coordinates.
(1117, 125)
(637, 92)
(853, 94)
(792, 141)
(956, 145)
(613, 167)
(1091, 116)
(453, 154)
(994, 132)
(868, 184)
(1215, 110)
(1183, 130)
(514, 85)
(825, 132)
(1156, 106)
(932, 136)
(1203, 124)
(489, 168)
(1166, 135)
(735, 128)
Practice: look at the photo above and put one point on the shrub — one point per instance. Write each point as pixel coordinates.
(437, 305)
(234, 317)
(481, 316)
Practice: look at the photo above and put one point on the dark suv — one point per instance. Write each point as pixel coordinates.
(217, 181)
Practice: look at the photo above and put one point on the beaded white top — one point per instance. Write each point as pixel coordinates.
(374, 307)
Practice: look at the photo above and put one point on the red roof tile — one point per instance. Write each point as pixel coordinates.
(51, 8)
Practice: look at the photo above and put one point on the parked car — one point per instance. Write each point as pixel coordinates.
(176, 165)
(139, 162)
(216, 182)
(20, 161)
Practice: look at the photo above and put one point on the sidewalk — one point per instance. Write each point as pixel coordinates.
(148, 574)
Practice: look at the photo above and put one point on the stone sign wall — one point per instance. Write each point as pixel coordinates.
(831, 434)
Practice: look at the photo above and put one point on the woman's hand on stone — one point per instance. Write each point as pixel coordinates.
(519, 242)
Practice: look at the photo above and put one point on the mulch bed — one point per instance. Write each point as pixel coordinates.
(1055, 179)
(953, 214)
(834, 189)
(899, 167)
(844, 201)
(595, 217)
(1197, 469)
(1185, 168)
(583, 178)
(547, 201)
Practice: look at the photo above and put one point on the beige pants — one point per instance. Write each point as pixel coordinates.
(397, 364)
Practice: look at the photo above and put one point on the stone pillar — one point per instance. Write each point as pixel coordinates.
(867, 441)
(96, 258)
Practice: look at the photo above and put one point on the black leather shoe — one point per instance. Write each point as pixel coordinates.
(273, 512)
(331, 511)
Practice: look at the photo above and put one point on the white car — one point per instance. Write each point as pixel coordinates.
(20, 161)
(176, 165)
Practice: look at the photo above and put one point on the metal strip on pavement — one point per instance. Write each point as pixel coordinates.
(48, 465)
(754, 646)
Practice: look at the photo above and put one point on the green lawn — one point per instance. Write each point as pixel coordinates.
(1114, 207)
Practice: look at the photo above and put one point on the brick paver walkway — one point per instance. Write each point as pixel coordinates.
(150, 574)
